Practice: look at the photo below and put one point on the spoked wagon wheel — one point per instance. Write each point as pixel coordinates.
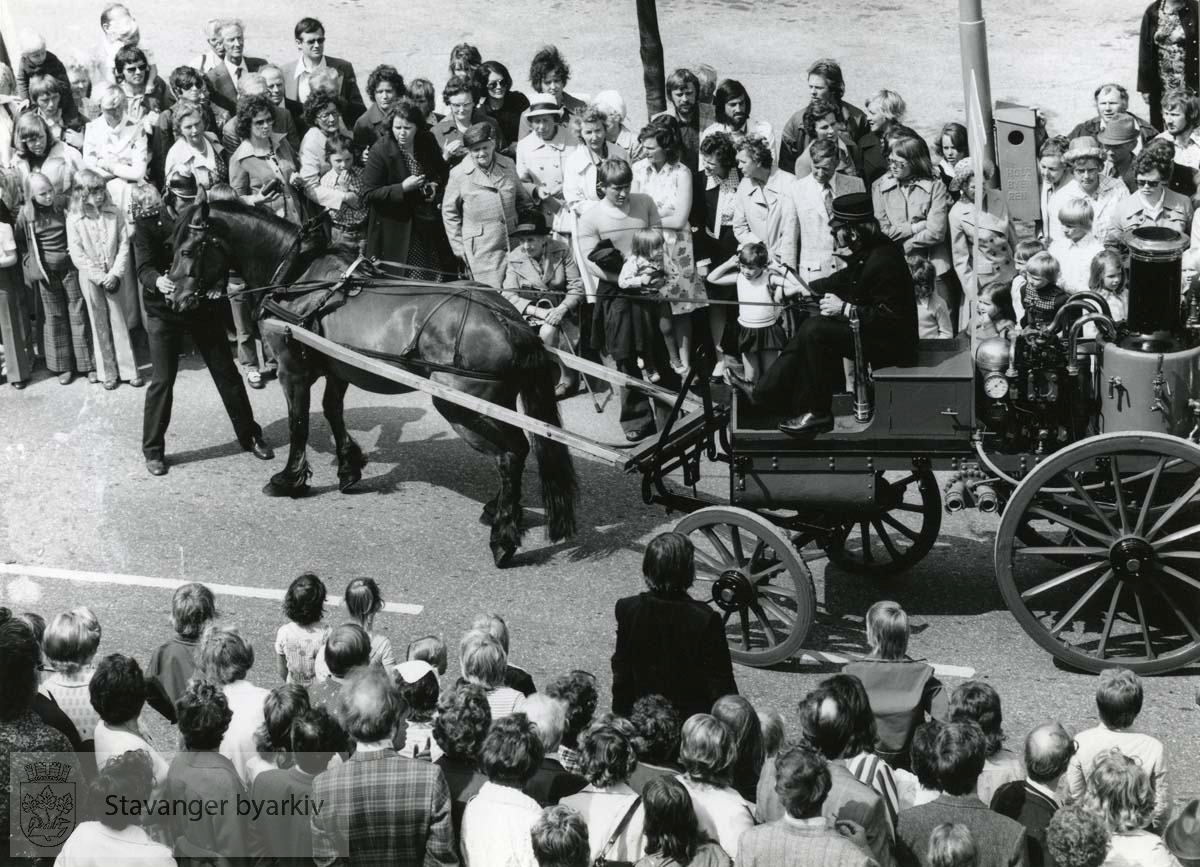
(895, 534)
(1114, 578)
(749, 572)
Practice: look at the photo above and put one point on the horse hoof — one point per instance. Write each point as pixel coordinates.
(488, 516)
(503, 555)
(279, 489)
(347, 483)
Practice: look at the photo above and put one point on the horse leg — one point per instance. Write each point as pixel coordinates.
(351, 459)
(510, 448)
(294, 377)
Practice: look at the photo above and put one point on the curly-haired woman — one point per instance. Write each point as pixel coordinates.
(385, 85)
(459, 727)
(1119, 791)
(611, 808)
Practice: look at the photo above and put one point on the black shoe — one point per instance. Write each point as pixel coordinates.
(259, 449)
(807, 425)
(156, 466)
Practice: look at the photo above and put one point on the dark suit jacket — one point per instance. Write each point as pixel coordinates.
(288, 835)
(999, 839)
(672, 646)
(350, 96)
(552, 782)
(385, 809)
(878, 281)
(1020, 801)
(223, 88)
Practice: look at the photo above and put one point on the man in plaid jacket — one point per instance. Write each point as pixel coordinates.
(379, 808)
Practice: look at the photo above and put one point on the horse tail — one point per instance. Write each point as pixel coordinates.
(537, 374)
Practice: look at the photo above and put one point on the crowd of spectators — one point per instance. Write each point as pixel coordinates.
(631, 244)
(411, 765)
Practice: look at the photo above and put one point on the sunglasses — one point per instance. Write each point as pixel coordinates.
(135, 67)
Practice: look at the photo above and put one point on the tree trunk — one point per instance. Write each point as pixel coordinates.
(652, 57)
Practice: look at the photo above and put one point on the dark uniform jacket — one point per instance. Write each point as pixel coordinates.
(878, 282)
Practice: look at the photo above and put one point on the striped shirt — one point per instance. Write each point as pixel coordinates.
(876, 773)
(504, 700)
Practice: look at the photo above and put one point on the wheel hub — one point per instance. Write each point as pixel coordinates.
(732, 591)
(1131, 557)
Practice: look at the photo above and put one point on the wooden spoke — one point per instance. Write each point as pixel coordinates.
(1141, 613)
(1179, 576)
(1181, 555)
(1089, 503)
(1118, 493)
(1176, 609)
(1080, 602)
(768, 629)
(1177, 536)
(905, 481)
(737, 545)
(865, 533)
(1109, 618)
(1171, 512)
(744, 617)
(1063, 579)
(1067, 522)
(1059, 551)
(764, 575)
(1153, 486)
(885, 539)
(901, 528)
(708, 562)
(909, 507)
(787, 618)
(717, 542)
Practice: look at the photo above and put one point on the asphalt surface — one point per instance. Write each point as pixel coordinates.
(76, 495)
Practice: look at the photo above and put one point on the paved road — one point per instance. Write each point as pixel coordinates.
(76, 495)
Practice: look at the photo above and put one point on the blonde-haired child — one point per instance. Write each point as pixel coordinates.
(1042, 295)
(70, 644)
(995, 316)
(98, 240)
(649, 269)
(902, 691)
(1025, 250)
(1076, 250)
(933, 314)
(1108, 279)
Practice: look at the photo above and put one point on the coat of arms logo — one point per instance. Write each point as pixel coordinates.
(47, 803)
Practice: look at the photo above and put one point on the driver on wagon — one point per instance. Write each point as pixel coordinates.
(876, 279)
(153, 236)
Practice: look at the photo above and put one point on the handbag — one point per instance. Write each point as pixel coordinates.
(601, 859)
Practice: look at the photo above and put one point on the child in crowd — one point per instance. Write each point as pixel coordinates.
(298, 642)
(347, 647)
(933, 314)
(98, 241)
(417, 682)
(774, 732)
(1026, 250)
(952, 846)
(648, 270)
(761, 336)
(431, 649)
(272, 741)
(995, 317)
(1075, 251)
(35, 61)
(514, 676)
(920, 785)
(1042, 296)
(902, 691)
(349, 221)
(363, 601)
(578, 691)
(117, 692)
(950, 147)
(173, 663)
(70, 646)
(42, 231)
(1108, 279)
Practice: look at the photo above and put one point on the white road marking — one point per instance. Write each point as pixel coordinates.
(940, 669)
(171, 584)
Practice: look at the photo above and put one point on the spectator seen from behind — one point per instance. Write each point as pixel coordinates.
(225, 658)
(551, 782)
(497, 822)
(673, 834)
(978, 702)
(612, 810)
(459, 727)
(1034, 800)
(1077, 837)
(118, 692)
(560, 838)
(173, 662)
(1121, 792)
(708, 754)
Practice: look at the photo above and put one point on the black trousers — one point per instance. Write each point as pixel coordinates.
(637, 410)
(207, 330)
(809, 370)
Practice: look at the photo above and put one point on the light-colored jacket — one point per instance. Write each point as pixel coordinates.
(314, 163)
(916, 215)
(962, 236)
(816, 241)
(544, 164)
(1111, 193)
(1174, 212)
(99, 248)
(768, 214)
(479, 211)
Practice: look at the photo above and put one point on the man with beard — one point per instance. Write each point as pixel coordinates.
(875, 282)
(153, 237)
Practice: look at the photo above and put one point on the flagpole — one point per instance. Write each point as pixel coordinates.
(977, 95)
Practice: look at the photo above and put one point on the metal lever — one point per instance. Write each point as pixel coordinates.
(1116, 389)
(1162, 391)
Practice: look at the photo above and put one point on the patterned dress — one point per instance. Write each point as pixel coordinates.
(424, 251)
(1171, 40)
(687, 293)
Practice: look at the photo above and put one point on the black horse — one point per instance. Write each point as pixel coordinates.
(465, 337)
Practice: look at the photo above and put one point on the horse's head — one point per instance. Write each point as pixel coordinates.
(201, 262)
